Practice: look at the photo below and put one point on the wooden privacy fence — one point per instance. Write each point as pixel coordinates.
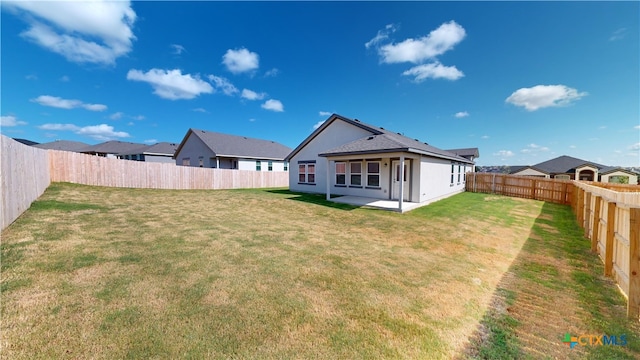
(24, 176)
(28, 171)
(608, 213)
(611, 220)
(551, 190)
(94, 170)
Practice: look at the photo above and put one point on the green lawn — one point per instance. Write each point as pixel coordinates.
(91, 272)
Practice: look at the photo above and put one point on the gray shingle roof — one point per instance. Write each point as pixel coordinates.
(161, 148)
(26, 141)
(563, 164)
(465, 152)
(111, 147)
(65, 145)
(239, 146)
(381, 141)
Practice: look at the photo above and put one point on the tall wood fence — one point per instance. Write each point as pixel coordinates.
(28, 171)
(24, 176)
(528, 187)
(608, 213)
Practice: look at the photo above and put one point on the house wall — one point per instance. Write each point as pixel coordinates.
(531, 172)
(384, 192)
(159, 159)
(435, 175)
(633, 179)
(250, 164)
(336, 134)
(193, 148)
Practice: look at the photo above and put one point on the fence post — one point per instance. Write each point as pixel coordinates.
(533, 189)
(475, 186)
(596, 224)
(587, 214)
(608, 248)
(493, 184)
(633, 306)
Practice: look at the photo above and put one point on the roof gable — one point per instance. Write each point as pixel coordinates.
(238, 146)
(563, 164)
(380, 141)
(111, 147)
(64, 145)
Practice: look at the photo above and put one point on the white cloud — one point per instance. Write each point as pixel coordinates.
(99, 132)
(637, 127)
(240, 60)
(116, 116)
(137, 117)
(31, 77)
(461, 114)
(273, 105)
(324, 113)
(201, 110)
(542, 96)
(534, 148)
(172, 84)
(381, 35)
(65, 78)
(10, 120)
(572, 146)
(223, 84)
(150, 141)
(177, 49)
(434, 71)
(635, 146)
(504, 153)
(81, 31)
(439, 41)
(484, 137)
(618, 34)
(272, 73)
(57, 102)
(318, 124)
(252, 95)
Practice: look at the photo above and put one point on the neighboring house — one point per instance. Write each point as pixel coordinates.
(25, 141)
(111, 148)
(570, 168)
(64, 145)
(350, 158)
(216, 150)
(161, 152)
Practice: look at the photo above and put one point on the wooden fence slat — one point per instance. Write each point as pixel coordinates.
(608, 259)
(595, 224)
(633, 305)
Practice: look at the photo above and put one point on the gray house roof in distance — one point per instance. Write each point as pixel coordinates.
(161, 148)
(380, 141)
(238, 146)
(26, 141)
(111, 147)
(65, 145)
(465, 152)
(563, 164)
(609, 169)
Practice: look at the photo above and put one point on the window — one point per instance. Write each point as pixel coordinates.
(302, 173)
(373, 173)
(286, 166)
(618, 179)
(459, 168)
(356, 173)
(563, 177)
(141, 157)
(258, 165)
(270, 166)
(464, 174)
(311, 173)
(307, 173)
(185, 162)
(200, 161)
(341, 173)
(452, 172)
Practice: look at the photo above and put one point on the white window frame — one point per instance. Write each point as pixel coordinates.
(352, 173)
(344, 173)
(377, 174)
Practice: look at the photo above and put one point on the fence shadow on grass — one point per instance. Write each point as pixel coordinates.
(554, 286)
(317, 199)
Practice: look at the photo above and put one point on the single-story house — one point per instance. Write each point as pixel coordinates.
(570, 168)
(223, 151)
(161, 152)
(467, 153)
(350, 158)
(110, 149)
(64, 145)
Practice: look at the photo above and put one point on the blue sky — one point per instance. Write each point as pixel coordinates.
(522, 81)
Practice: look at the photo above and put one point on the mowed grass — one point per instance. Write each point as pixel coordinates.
(92, 272)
